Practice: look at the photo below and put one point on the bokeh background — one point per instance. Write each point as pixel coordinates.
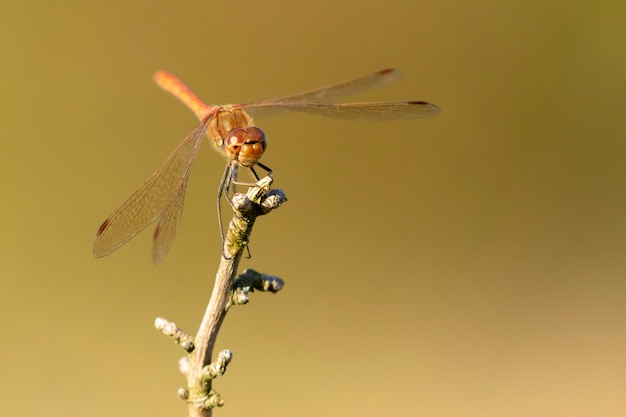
(471, 264)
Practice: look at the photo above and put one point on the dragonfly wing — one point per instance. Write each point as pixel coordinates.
(166, 229)
(162, 190)
(363, 111)
(330, 93)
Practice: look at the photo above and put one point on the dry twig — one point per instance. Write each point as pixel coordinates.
(227, 291)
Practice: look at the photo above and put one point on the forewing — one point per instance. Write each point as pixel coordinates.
(330, 93)
(160, 191)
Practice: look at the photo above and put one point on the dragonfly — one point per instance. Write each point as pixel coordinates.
(160, 198)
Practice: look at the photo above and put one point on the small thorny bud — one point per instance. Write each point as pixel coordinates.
(218, 367)
(187, 345)
(214, 400)
(183, 365)
(241, 202)
(275, 198)
(225, 356)
(183, 393)
(272, 284)
(240, 297)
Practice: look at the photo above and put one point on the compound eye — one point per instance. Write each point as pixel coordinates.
(236, 138)
(255, 134)
(234, 141)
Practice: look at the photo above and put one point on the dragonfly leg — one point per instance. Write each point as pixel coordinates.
(254, 174)
(265, 167)
(227, 179)
(256, 177)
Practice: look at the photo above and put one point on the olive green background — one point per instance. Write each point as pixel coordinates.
(471, 264)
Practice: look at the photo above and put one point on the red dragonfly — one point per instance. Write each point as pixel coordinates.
(161, 196)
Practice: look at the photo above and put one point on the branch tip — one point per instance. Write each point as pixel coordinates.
(241, 203)
(274, 199)
(258, 281)
(218, 367)
(179, 337)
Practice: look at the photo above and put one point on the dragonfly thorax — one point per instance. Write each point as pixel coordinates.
(223, 119)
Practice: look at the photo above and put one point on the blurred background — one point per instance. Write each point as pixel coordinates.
(470, 264)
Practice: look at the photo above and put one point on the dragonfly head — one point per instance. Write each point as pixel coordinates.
(245, 146)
